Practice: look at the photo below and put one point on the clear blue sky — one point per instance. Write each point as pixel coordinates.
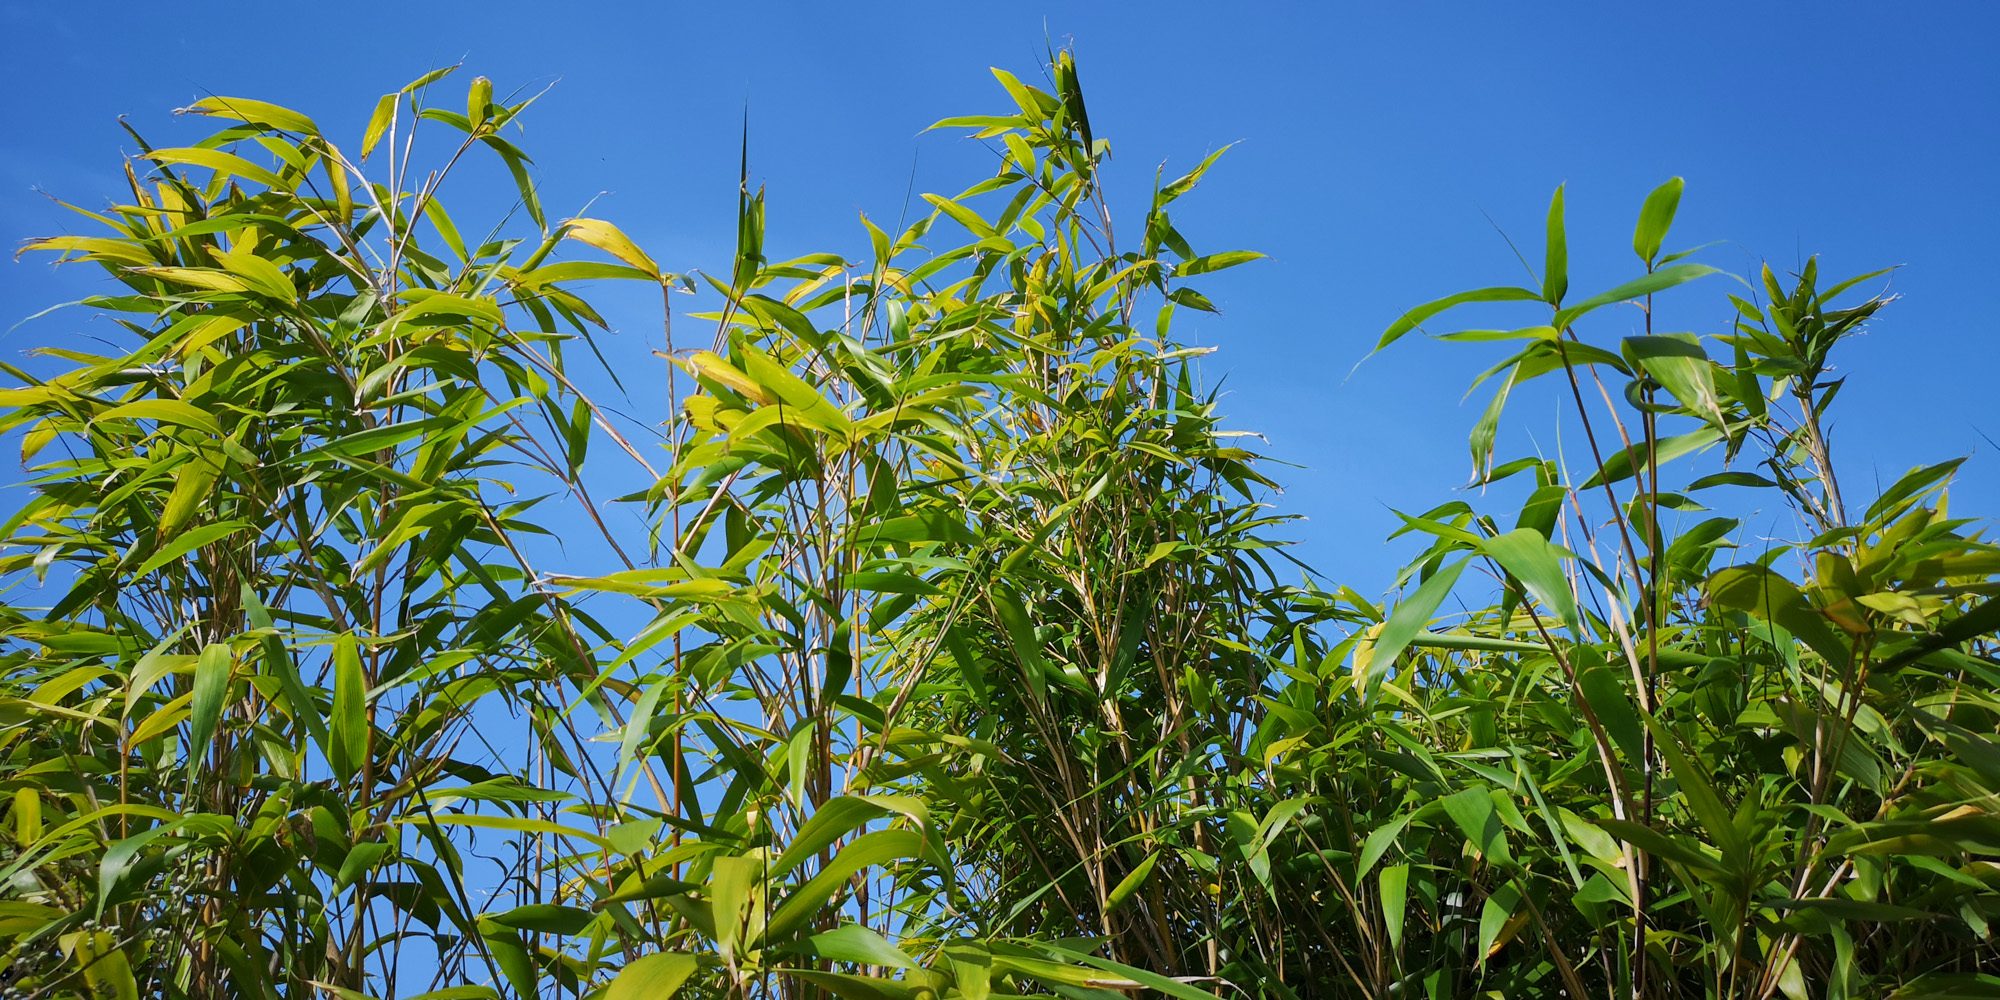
(1376, 140)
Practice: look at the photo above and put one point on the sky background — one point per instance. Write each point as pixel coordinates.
(1382, 149)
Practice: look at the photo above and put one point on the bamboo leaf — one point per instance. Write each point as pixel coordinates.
(348, 727)
(1656, 216)
(1537, 563)
(243, 109)
(164, 411)
(1412, 614)
(612, 240)
(1555, 273)
(224, 164)
(1653, 283)
(211, 686)
(1131, 883)
(1215, 262)
(854, 943)
(378, 122)
(1415, 317)
(1393, 887)
(186, 542)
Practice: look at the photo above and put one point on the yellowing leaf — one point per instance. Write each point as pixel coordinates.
(965, 217)
(711, 366)
(228, 164)
(165, 411)
(94, 248)
(259, 274)
(378, 123)
(608, 238)
(254, 112)
(443, 304)
(205, 278)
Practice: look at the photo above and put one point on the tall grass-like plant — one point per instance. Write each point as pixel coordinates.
(271, 588)
(1672, 762)
(954, 654)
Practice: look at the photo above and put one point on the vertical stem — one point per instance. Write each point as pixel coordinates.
(1650, 593)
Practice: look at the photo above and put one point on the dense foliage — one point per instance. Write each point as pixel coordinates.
(954, 653)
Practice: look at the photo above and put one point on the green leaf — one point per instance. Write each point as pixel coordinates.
(27, 815)
(1677, 362)
(1658, 281)
(1671, 847)
(729, 889)
(834, 819)
(1537, 563)
(516, 824)
(1655, 217)
(517, 165)
(349, 723)
(1471, 810)
(865, 851)
(964, 216)
(1186, 182)
(211, 687)
(848, 986)
(1982, 619)
(801, 398)
(1555, 273)
(507, 949)
(1620, 465)
(1131, 883)
(1021, 636)
(1394, 887)
(1216, 262)
(1410, 616)
(548, 918)
(1912, 484)
(1127, 976)
(119, 858)
(1489, 644)
(1605, 693)
(278, 661)
(857, 944)
(192, 484)
(1764, 594)
(1730, 479)
(478, 100)
(186, 542)
(1415, 317)
(1495, 915)
(1701, 796)
(165, 411)
(1487, 429)
(1378, 842)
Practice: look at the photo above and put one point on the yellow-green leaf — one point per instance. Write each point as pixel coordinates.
(228, 164)
(349, 723)
(254, 112)
(378, 123)
(610, 239)
(653, 977)
(1130, 884)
